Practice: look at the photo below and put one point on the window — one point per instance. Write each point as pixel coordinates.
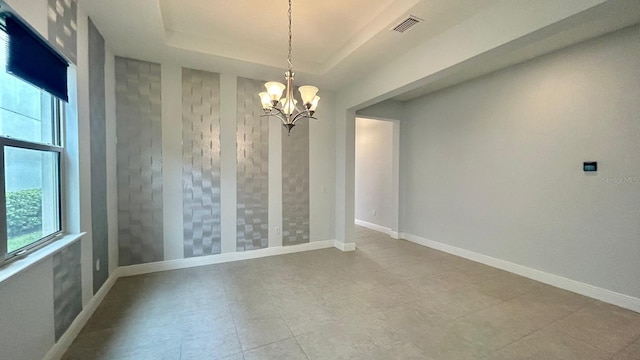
(30, 149)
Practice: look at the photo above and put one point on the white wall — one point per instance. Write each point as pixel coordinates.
(494, 165)
(84, 156)
(172, 161)
(374, 172)
(388, 109)
(34, 12)
(112, 179)
(512, 22)
(26, 328)
(322, 170)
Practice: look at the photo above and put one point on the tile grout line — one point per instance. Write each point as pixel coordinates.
(233, 318)
(583, 342)
(271, 301)
(628, 346)
(536, 330)
(279, 314)
(301, 348)
(271, 343)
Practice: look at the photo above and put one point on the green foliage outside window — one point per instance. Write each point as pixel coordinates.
(24, 212)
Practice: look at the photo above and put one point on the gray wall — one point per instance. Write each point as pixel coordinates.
(374, 172)
(67, 287)
(98, 125)
(201, 162)
(252, 168)
(139, 134)
(495, 165)
(295, 184)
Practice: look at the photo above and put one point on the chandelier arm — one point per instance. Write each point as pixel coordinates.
(279, 114)
(297, 117)
(302, 115)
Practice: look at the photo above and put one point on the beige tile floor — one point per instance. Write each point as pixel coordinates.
(390, 299)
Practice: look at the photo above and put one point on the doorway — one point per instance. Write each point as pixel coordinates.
(376, 174)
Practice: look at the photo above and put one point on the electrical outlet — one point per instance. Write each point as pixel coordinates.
(374, 213)
(277, 230)
(98, 265)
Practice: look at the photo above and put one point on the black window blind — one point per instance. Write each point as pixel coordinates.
(33, 60)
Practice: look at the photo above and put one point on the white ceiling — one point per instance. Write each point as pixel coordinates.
(610, 16)
(334, 41)
(321, 27)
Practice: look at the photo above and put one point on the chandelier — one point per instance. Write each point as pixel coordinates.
(286, 108)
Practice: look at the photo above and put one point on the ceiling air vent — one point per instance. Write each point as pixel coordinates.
(406, 24)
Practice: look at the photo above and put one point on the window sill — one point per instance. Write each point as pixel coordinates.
(16, 267)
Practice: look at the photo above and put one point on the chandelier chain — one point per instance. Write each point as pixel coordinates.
(290, 37)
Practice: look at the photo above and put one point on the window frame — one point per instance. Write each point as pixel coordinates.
(57, 148)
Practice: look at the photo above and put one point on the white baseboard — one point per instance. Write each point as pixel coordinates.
(223, 258)
(345, 246)
(58, 350)
(608, 296)
(374, 227)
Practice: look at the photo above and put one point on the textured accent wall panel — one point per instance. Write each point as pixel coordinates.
(201, 162)
(253, 168)
(295, 184)
(67, 287)
(139, 161)
(97, 123)
(63, 26)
